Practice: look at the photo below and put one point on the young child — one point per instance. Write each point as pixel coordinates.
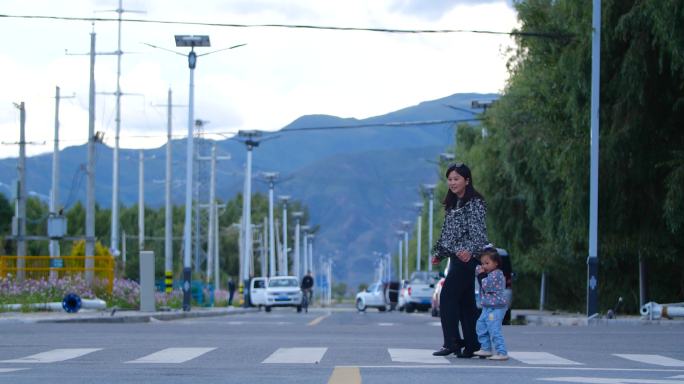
(494, 306)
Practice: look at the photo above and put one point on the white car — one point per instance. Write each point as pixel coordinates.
(373, 296)
(279, 291)
(417, 291)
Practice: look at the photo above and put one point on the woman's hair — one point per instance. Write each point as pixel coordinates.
(451, 199)
(492, 254)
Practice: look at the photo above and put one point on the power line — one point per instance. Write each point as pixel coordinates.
(548, 35)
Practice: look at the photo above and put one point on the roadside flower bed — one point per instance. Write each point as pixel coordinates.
(125, 293)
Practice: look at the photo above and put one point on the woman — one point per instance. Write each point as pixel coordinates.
(464, 235)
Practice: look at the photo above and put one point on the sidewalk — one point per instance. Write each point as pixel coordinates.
(118, 316)
(549, 318)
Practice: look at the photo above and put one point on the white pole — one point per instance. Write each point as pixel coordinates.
(296, 257)
(90, 190)
(406, 253)
(284, 199)
(271, 236)
(210, 231)
(20, 205)
(54, 196)
(141, 201)
(168, 216)
(401, 250)
(114, 246)
(592, 259)
(248, 217)
(264, 248)
(187, 226)
(431, 195)
(418, 239)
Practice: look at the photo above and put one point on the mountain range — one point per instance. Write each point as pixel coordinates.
(358, 177)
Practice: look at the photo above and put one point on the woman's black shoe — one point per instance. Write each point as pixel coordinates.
(465, 354)
(443, 352)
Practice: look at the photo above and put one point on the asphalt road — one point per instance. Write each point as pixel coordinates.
(340, 346)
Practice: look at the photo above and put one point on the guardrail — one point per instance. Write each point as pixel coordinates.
(47, 267)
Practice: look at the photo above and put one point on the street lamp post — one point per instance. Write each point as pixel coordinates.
(192, 42)
(305, 249)
(298, 217)
(419, 208)
(400, 268)
(271, 177)
(284, 269)
(406, 225)
(430, 190)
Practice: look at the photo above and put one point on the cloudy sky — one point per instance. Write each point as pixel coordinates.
(281, 74)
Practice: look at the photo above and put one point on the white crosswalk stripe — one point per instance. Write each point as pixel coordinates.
(296, 356)
(54, 355)
(172, 356)
(421, 356)
(541, 358)
(6, 370)
(652, 359)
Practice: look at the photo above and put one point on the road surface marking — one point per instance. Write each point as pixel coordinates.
(54, 355)
(172, 356)
(385, 324)
(423, 356)
(345, 375)
(296, 356)
(318, 320)
(652, 359)
(609, 380)
(435, 323)
(541, 358)
(5, 370)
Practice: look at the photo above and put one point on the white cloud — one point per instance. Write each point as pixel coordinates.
(278, 76)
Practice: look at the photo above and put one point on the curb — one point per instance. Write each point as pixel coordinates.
(110, 316)
(560, 320)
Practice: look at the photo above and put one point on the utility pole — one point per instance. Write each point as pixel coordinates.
(115, 163)
(56, 221)
(90, 189)
(295, 265)
(305, 249)
(20, 207)
(212, 243)
(430, 189)
(264, 249)
(168, 209)
(141, 200)
(419, 208)
(284, 261)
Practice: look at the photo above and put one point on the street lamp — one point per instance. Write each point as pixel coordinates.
(400, 234)
(406, 225)
(298, 217)
(271, 177)
(430, 190)
(419, 208)
(284, 199)
(305, 251)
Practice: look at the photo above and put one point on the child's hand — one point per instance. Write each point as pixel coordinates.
(478, 269)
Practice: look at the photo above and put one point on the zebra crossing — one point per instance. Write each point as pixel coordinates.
(314, 355)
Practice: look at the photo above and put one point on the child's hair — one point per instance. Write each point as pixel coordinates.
(492, 254)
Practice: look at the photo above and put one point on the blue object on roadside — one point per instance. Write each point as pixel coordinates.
(71, 302)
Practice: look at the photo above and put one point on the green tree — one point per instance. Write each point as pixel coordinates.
(533, 166)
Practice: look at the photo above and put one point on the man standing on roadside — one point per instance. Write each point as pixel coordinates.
(231, 291)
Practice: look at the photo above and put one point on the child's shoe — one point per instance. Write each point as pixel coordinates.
(482, 353)
(498, 357)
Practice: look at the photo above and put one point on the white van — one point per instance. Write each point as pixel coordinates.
(278, 291)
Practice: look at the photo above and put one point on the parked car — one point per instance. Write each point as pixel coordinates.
(279, 291)
(373, 297)
(416, 294)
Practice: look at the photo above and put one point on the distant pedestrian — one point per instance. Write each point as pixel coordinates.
(494, 305)
(231, 291)
(463, 236)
